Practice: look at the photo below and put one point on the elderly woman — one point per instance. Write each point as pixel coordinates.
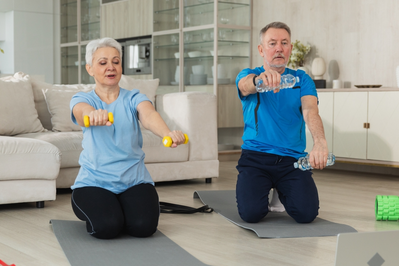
(113, 191)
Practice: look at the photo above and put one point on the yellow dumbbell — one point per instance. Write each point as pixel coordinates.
(86, 119)
(167, 141)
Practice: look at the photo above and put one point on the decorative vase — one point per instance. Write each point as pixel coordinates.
(318, 68)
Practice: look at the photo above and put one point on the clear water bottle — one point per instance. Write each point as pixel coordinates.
(286, 81)
(304, 164)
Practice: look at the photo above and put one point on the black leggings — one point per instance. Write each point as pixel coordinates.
(107, 214)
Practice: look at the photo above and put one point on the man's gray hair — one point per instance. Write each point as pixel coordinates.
(92, 47)
(274, 25)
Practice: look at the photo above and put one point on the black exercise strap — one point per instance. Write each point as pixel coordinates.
(256, 112)
(175, 208)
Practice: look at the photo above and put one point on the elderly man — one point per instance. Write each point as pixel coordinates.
(274, 134)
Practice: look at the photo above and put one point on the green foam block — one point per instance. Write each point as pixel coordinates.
(387, 208)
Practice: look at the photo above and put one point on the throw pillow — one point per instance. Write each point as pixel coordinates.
(40, 88)
(17, 107)
(146, 86)
(58, 98)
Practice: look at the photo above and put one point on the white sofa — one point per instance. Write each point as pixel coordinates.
(40, 146)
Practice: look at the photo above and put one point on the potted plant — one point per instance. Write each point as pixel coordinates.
(298, 54)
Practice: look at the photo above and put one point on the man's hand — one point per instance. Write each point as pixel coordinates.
(271, 78)
(318, 156)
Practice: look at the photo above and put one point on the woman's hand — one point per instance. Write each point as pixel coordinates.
(99, 117)
(177, 138)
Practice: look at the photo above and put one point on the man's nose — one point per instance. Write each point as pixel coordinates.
(279, 47)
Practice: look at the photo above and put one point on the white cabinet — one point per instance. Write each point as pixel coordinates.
(229, 115)
(350, 114)
(383, 117)
(360, 124)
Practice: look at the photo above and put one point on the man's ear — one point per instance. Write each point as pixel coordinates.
(260, 49)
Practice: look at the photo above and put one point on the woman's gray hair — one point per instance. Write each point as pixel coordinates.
(274, 25)
(92, 47)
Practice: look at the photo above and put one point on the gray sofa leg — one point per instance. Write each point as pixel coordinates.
(40, 204)
(208, 180)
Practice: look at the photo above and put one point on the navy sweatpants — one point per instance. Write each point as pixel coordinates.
(259, 172)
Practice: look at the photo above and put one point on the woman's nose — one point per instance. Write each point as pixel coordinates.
(110, 66)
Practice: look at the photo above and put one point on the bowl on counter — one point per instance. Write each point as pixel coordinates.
(198, 69)
(177, 55)
(220, 52)
(367, 86)
(198, 79)
(194, 54)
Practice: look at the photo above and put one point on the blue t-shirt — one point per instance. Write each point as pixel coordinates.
(112, 156)
(273, 122)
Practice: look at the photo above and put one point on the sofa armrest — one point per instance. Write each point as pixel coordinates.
(195, 114)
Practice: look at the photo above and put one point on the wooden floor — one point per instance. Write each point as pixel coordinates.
(26, 237)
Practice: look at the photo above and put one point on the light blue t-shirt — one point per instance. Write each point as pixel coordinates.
(112, 156)
(273, 122)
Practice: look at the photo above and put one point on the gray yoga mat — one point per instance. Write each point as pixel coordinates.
(82, 249)
(274, 225)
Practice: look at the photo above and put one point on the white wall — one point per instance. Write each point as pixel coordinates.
(361, 35)
(33, 44)
(29, 41)
(2, 26)
(7, 59)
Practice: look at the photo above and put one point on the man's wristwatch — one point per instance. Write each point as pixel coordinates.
(254, 80)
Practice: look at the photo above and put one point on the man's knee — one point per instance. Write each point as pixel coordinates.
(305, 216)
(252, 214)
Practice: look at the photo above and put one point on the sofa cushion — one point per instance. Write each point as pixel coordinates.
(145, 86)
(69, 144)
(55, 109)
(24, 158)
(17, 109)
(155, 152)
(58, 99)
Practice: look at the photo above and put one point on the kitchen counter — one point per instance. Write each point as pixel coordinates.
(356, 89)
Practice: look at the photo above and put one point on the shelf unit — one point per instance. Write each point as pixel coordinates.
(208, 26)
(80, 23)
